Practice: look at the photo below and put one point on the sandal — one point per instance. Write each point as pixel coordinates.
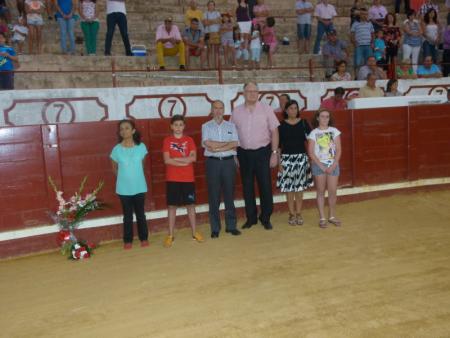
(299, 220)
(323, 223)
(291, 220)
(335, 221)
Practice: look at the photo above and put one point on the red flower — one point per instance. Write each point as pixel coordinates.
(62, 236)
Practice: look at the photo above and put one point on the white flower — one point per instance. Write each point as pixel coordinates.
(76, 246)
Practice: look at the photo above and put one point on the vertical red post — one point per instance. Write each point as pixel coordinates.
(219, 66)
(113, 72)
(311, 70)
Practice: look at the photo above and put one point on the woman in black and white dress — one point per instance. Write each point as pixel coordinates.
(294, 174)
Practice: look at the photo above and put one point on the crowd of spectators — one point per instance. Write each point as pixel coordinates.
(379, 40)
(382, 46)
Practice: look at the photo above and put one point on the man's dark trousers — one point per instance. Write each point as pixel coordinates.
(256, 163)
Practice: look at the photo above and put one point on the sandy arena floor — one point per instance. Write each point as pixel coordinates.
(385, 273)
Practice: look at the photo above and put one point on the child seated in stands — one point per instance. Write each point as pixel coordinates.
(20, 33)
(180, 153)
(239, 46)
(269, 40)
(255, 46)
(226, 38)
(380, 48)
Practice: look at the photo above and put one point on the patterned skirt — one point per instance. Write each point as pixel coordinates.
(296, 175)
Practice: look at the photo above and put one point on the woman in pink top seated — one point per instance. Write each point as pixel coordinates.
(270, 40)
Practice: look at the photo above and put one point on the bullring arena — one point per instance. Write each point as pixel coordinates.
(384, 273)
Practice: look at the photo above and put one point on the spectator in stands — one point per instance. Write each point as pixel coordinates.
(220, 140)
(89, 24)
(244, 22)
(257, 153)
(446, 46)
(362, 34)
(341, 72)
(128, 166)
(21, 7)
(397, 6)
(193, 12)
(431, 34)
(294, 172)
(412, 38)
(377, 13)
(379, 48)
(405, 71)
(283, 99)
(255, 46)
(169, 43)
(4, 11)
(241, 52)
(355, 11)
(116, 14)
(324, 148)
(336, 102)
(34, 9)
(65, 10)
(303, 8)
(427, 5)
(8, 62)
(212, 21)
(324, 12)
(20, 31)
(428, 69)
(227, 40)
(371, 68)
(391, 37)
(333, 51)
(270, 39)
(392, 88)
(370, 89)
(261, 12)
(194, 42)
(50, 8)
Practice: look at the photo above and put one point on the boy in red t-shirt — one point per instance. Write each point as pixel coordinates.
(179, 155)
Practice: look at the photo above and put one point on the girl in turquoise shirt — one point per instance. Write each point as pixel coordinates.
(128, 165)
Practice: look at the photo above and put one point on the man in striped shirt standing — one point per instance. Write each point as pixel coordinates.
(220, 139)
(362, 37)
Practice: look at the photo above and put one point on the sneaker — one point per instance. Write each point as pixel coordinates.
(198, 237)
(292, 220)
(127, 246)
(144, 244)
(169, 241)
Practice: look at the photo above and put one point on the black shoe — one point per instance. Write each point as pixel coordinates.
(214, 234)
(248, 225)
(182, 67)
(162, 68)
(234, 232)
(267, 225)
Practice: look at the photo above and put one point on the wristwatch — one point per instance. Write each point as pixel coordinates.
(274, 151)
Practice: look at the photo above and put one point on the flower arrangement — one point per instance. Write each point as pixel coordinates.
(69, 215)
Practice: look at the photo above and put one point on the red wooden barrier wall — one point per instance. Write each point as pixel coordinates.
(379, 146)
